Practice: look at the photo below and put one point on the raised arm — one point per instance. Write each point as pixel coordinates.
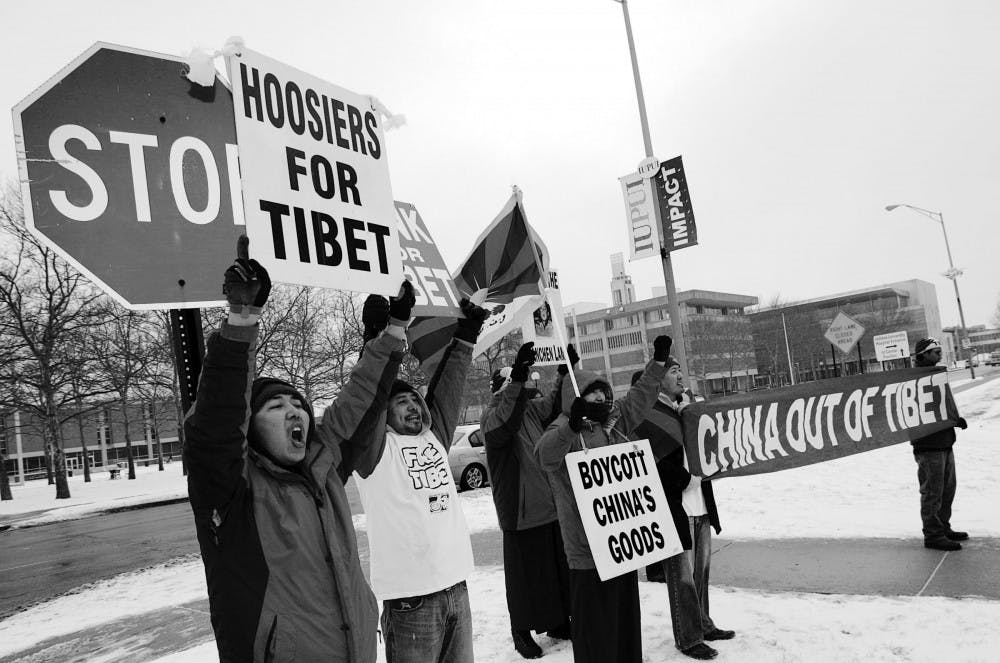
(636, 404)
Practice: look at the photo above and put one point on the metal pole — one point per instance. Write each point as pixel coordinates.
(833, 354)
(189, 350)
(788, 352)
(861, 362)
(679, 347)
(958, 298)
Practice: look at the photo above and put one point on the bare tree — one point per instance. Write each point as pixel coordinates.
(45, 302)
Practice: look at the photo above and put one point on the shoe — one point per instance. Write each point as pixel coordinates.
(720, 634)
(942, 543)
(656, 575)
(525, 645)
(957, 536)
(700, 651)
(560, 632)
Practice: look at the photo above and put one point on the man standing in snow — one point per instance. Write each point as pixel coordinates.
(534, 563)
(692, 506)
(266, 485)
(936, 469)
(606, 623)
(421, 554)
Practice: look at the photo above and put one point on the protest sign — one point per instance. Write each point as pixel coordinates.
(622, 506)
(541, 328)
(815, 422)
(423, 265)
(318, 203)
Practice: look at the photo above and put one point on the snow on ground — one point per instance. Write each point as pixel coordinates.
(872, 494)
(772, 626)
(101, 494)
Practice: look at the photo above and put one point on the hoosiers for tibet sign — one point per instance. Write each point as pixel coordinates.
(319, 207)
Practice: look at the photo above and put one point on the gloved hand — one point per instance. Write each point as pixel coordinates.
(402, 304)
(471, 321)
(661, 347)
(247, 284)
(374, 316)
(563, 369)
(577, 412)
(522, 362)
(962, 423)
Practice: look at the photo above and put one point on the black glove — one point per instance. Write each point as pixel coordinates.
(374, 316)
(247, 284)
(522, 362)
(563, 369)
(471, 321)
(962, 423)
(661, 347)
(576, 414)
(402, 304)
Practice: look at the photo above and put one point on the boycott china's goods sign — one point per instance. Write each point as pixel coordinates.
(423, 265)
(622, 506)
(318, 203)
(815, 422)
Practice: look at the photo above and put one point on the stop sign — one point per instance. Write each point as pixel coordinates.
(130, 172)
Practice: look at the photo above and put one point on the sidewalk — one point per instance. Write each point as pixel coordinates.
(886, 567)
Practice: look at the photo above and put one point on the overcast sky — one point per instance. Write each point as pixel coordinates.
(798, 122)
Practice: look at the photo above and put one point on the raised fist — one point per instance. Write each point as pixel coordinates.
(247, 284)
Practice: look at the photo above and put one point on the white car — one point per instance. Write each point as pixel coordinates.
(467, 458)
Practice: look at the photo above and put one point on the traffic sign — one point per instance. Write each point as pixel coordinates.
(966, 343)
(844, 332)
(129, 171)
(894, 345)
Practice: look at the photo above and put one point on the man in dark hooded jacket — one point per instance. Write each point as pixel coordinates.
(606, 624)
(535, 571)
(266, 485)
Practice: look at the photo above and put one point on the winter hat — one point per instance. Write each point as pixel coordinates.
(671, 361)
(500, 379)
(926, 345)
(399, 386)
(599, 385)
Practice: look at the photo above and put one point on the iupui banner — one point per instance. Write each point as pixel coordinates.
(815, 422)
(318, 203)
(640, 216)
(676, 212)
(541, 328)
(423, 265)
(623, 508)
(503, 274)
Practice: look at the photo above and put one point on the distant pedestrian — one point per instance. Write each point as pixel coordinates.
(936, 468)
(534, 562)
(693, 509)
(266, 483)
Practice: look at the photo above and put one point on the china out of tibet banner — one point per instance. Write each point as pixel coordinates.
(814, 422)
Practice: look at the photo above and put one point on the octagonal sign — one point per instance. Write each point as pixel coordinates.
(129, 171)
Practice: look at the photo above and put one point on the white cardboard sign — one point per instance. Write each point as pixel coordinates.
(540, 329)
(623, 508)
(316, 192)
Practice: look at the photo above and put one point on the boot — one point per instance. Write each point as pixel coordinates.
(957, 536)
(560, 632)
(942, 543)
(525, 645)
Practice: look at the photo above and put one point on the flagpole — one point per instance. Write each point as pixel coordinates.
(673, 306)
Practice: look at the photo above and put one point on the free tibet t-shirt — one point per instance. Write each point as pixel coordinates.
(416, 528)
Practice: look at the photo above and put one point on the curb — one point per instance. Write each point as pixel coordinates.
(117, 509)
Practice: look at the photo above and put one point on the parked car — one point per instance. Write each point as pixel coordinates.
(994, 359)
(467, 458)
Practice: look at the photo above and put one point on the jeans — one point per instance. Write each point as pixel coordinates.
(428, 629)
(936, 473)
(687, 586)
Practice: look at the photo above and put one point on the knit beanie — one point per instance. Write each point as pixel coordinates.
(263, 390)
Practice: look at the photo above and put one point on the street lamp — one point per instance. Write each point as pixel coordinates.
(952, 274)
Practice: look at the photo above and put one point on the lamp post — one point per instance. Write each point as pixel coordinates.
(952, 274)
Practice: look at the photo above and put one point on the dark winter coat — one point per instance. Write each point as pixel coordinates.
(559, 440)
(665, 433)
(942, 440)
(280, 554)
(512, 424)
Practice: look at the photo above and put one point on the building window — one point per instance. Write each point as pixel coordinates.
(590, 347)
(3, 435)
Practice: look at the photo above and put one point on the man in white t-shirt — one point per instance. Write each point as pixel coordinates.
(419, 541)
(692, 506)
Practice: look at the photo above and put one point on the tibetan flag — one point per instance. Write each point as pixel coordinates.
(503, 274)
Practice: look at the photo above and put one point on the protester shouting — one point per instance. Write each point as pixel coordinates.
(534, 562)
(692, 506)
(936, 469)
(266, 484)
(421, 554)
(606, 624)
